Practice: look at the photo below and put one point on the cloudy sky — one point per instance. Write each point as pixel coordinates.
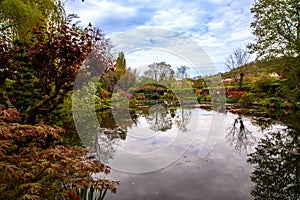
(216, 27)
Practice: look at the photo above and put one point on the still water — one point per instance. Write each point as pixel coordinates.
(195, 153)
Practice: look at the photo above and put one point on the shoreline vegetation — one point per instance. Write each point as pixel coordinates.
(264, 89)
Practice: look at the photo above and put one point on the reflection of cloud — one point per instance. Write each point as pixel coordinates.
(105, 147)
(144, 150)
(182, 119)
(224, 172)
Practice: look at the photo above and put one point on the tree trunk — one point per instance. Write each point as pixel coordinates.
(241, 81)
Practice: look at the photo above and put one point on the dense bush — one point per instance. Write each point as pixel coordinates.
(247, 99)
(262, 84)
(270, 102)
(203, 98)
(131, 90)
(232, 100)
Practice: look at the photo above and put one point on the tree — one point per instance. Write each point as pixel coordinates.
(182, 71)
(121, 61)
(128, 79)
(99, 59)
(21, 15)
(37, 75)
(54, 55)
(159, 72)
(235, 61)
(198, 82)
(276, 26)
(111, 76)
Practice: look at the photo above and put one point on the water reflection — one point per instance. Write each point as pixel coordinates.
(273, 165)
(145, 124)
(276, 159)
(107, 120)
(267, 117)
(239, 136)
(159, 118)
(182, 119)
(263, 122)
(107, 141)
(162, 118)
(276, 156)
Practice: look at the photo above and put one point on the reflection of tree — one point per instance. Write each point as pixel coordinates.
(263, 122)
(84, 112)
(159, 119)
(107, 142)
(239, 136)
(162, 119)
(112, 131)
(266, 117)
(277, 161)
(123, 118)
(182, 118)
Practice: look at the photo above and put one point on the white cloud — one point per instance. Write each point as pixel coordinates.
(172, 19)
(218, 26)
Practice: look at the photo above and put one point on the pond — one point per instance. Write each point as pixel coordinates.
(195, 153)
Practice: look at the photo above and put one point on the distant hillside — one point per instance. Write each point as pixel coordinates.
(251, 68)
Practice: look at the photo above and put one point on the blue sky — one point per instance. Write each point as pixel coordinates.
(216, 26)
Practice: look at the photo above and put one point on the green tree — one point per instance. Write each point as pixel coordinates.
(199, 83)
(128, 79)
(114, 74)
(21, 15)
(121, 61)
(276, 26)
(23, 89)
